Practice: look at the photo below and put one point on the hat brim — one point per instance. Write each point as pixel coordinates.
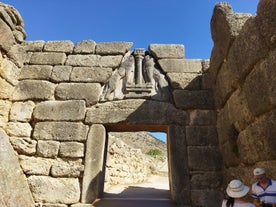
(239, 194)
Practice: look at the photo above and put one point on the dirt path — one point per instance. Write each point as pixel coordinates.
(154, 192)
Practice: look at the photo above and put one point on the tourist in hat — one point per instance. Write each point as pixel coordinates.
(236, 191)
(264, 190)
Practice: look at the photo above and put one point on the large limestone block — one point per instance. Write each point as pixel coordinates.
(201, 99)
(39, 72)
(48, 58)
(22, 111)
(225, 26)
(206, 198)
(67, 168)
(54, 190)
(113, 48)
(24, 145)
(59, 46)
(6, 89)
(71, 149)
(13, 184)
(204, 158)
(90, 74)
(202, 117)
(60, 111)
(47, 148)
(189, 81)
(161, 51)
(4, 111)
(34, 46)
(9, 71)
(6, 36)
(136, 112)
(260, 86)
(61, 73)
(206, 180)
(248, 48)
(257, 142)
(18, 129)
(85, 47)
(60, 131)
(112, 61)
(201, 135)
(90, 92)
(181, 65)
(34, 89)
(17, 54)
(35, 165)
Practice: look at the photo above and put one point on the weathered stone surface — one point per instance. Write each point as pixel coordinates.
(4, 111)
(22, 111)
(69, 168)
(59, 46)
(6, 89)
(9, 71)
(185, 99)
(225, 26)
(54, 205)
(60, 131)
(60, 111)
(47, 58)
(201, 136)
(250, 47)
(90, 74)
(136, 112)
(94, 159)
(202, 117)
(81, 205)
(206, 180)
(260, 86)
(113, 48)
(204, 158)
(181, 65)
(257, 142)
(90, 92)
(6, 36)
(206, 198)
(18, 129)
(35, 165)
(47, 148)
(189, 81)
(94, 60)
(71, 149)
(54, 190)
(61, 73)
(24, 145)
(33, 89)
(161, 51)
(33, 46)
(14, 187)
(85, 47)
(17, 54)
(40, 72)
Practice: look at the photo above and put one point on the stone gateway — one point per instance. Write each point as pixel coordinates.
(60, 100)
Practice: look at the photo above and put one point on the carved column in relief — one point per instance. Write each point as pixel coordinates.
(139, 56)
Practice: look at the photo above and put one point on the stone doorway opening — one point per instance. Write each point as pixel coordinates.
(136, 165)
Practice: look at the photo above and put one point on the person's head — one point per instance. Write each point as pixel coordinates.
(236, 189)
(259, 174)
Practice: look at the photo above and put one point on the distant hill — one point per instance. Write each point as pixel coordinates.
(141, 140)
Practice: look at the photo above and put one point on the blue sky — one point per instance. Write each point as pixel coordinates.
(142, 22)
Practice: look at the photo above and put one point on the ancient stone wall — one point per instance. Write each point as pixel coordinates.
(242, 69)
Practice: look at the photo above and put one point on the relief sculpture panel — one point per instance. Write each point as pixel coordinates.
(137, 77)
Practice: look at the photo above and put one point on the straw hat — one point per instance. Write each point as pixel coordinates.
(236, 189)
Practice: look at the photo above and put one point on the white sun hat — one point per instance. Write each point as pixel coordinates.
(236, 189)
(258, 172)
